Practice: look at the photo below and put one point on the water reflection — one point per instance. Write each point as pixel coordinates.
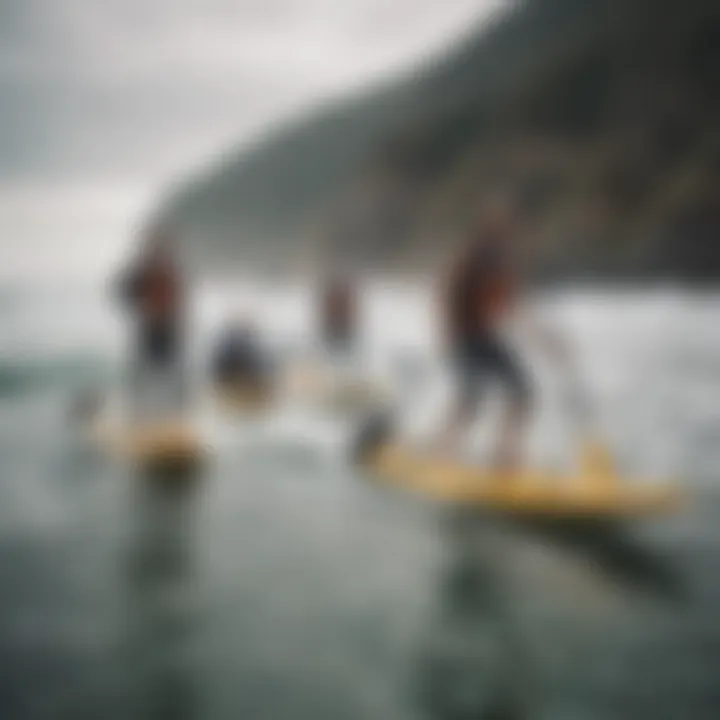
(482, 659)
(160, 575)
(475, 663)
(621, 558)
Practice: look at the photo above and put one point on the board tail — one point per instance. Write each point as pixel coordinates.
(374, 431)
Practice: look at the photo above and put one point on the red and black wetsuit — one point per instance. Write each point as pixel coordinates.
(156, 294)
(338, 314)
(481, 291)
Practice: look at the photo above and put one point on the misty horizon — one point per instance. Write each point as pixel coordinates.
(109, 104)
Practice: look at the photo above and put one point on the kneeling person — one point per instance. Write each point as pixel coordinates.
(240, 367)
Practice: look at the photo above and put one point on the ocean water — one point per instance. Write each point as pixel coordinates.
(282, 584)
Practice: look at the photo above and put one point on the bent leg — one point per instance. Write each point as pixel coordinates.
(465, 404)
(516, 416)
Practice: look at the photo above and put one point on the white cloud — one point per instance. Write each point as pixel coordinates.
(68, 230)
(118, 40)
(131, 86)
(133, 93)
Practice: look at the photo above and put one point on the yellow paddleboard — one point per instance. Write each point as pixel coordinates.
(168, 445)
(353, 394)
(593, 491)
(328, 389)
(244, 397)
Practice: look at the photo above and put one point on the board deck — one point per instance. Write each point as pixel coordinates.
(593, 490)
(168, 444)
(333, 390)
(244, 398)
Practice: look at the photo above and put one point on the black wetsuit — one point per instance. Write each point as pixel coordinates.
(480, 291)
(239, 359)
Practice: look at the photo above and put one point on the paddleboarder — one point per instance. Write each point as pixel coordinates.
(482, 291)
(154, 292)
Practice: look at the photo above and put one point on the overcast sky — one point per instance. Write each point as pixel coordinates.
(105, 101)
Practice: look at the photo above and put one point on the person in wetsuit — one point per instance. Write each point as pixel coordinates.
(338, 313)
(239, 357)
(481, 291)
(153, 290)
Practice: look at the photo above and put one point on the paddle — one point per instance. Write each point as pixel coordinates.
(595, 459)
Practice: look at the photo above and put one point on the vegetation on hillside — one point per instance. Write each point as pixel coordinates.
(602, 118)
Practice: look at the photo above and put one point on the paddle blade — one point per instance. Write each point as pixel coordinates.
(597, 464)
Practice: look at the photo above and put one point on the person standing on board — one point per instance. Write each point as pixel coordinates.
(338, 313)
(153, 290)
(481, 292)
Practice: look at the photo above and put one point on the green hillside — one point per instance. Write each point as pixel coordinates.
(602, 117)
